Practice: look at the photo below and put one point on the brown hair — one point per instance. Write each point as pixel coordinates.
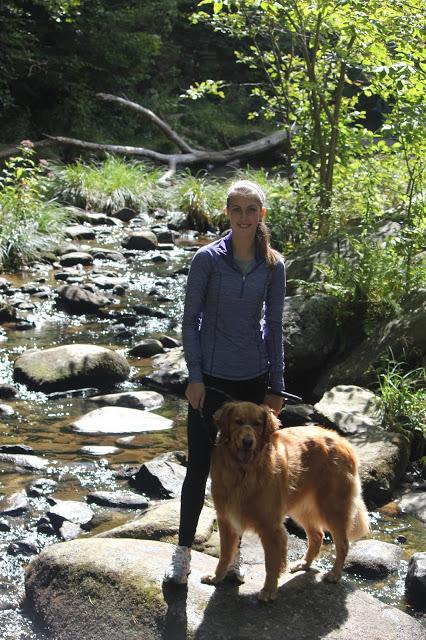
(252, 189)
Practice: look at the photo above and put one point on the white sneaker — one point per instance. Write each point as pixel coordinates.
(179, 567)
(236, 570)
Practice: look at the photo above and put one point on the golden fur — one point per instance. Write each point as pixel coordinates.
(261, 473)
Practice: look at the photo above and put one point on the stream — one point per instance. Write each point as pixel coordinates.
(42, 422)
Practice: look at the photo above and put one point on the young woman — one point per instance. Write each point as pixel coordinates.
(232, 340)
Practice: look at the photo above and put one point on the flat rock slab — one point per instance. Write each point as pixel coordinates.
(132, 399)
(25, 462)
(120, 420)
(99, 450)
(118, 499)
(112, 588)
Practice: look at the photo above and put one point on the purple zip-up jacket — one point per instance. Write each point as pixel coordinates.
(232, 323)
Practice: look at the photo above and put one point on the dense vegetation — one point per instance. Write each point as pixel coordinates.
(345, 79)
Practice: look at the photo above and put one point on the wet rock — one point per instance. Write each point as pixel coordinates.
(161, 522)
(125, 214)
(118, 499)
(70, 511)
(159, 258)
(107, 254)
(132, 399)
(6, 410)
(4, 525)
(373, 558)
(99, 450)
(7, 313)
(147, 348)
(70, 530)
(74, 393)
(15, 504)
(414, 503)
(165, 236)
(24, 325)
(415, 581)
(8, 391)
(45, 527)
(78, 257)
(72, 585)
(16, 448)
(23, 462)
(119, 290)
(80, 231)
(142, 220)
(159, 478)
(168, 342)
(69, 367)
(120, 420)
(143, 310)
(78, 300)
(4, 284)
(22, 548)
(108, 282)
(169, 371)
(141, 241)
(95, 219)
(41, 487)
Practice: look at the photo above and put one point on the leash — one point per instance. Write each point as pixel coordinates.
(289, 398)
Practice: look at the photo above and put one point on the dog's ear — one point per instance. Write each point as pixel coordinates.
(221, 419)
(270, 422)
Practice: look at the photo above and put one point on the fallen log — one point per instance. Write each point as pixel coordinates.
(187, 155)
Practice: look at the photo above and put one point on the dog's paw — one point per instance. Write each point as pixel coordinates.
(267, 595)
(298, 565)
(331, 576)
(210, 579)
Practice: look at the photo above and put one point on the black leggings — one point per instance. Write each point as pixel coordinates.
(201, 437)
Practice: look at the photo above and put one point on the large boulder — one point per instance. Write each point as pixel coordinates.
(404, 335)
(95, 588)
(310, 332)
(71, 366)
(383, 455)
(78, 300)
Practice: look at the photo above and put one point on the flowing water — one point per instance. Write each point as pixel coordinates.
(42, 422)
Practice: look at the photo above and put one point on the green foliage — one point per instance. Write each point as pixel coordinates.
(202, 200)
(108, 186)
(403, 396)
(28, 219)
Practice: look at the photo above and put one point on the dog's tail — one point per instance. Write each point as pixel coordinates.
(360, 525)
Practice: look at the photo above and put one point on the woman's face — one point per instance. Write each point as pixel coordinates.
(244, 213)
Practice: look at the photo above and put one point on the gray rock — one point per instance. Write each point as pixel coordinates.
(78, 300)
(310, 333)
(161, 522)
(168, 342)
(77, 257)
(6, 410)
(125, 214)
(120, 420)
(141, 240)
(99, 450)
(414, 503)
(143, 310)
(118, 499)
(22, 548)
(80, 231)
(132, 399)
(373, 558)
(69, 530)
(95, 588)
(69, 367)
(71, 511)
(169, 371)
(4, 525)
(159, 478)
(415, 581)
(147, 348)
(109, 282)
(16, 448)
(41, 487)
(15, 504)
(350, 410)
(23, 462)
(8, 391)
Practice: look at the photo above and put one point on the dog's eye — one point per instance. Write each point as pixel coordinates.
(239, 421)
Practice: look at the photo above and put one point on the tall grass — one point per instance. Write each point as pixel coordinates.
(30, 222)
(110, 185)
(403, 396)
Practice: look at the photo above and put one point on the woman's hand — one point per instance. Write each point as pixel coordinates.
(195, 393)
(275, 402)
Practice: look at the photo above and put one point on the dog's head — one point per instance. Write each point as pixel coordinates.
(245, 427)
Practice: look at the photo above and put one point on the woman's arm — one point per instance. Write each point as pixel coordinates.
(196, 291)
(273, 328)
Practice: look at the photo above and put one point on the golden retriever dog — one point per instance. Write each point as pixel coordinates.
(261, 473)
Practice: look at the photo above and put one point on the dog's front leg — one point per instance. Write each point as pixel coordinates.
(274, 542)
(229, 540)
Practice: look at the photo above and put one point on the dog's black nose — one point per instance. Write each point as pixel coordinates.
(247, 443)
